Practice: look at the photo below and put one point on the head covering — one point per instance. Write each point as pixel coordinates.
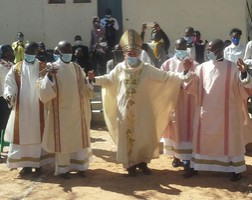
(131, 40)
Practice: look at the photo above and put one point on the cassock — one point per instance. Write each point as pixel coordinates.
(25, 125)
(218, 138)
(67, 123)
(178, 134)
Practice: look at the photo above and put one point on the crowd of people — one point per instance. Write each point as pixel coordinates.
(194, 100)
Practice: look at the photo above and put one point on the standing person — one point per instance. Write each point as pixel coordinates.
(43, 54)
(67, 125)
(99, 47)
(195, 49)
(18, 47)
(218, 136)
(6, 62)
(78, 43)
(80, 60)
(56, 54)
(158, 46)
(111, 26)
(26, 122)
(179, 131)
(199, 47)
(118, 57)
(235, 50)
(137, 101)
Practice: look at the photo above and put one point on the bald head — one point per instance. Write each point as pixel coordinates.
(65, 47)
(65, 50)
(189, 31)
(216, 46)
(31, 48)
(180, 44)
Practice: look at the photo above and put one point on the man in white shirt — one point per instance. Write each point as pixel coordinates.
(235, 50)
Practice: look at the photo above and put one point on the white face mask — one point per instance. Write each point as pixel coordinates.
(78, 42)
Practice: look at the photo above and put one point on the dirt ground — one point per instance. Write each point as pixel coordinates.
(107, 180)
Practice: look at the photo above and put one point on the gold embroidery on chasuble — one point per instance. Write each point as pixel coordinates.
(131, 82)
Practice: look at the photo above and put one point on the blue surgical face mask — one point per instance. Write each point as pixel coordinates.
(235, 41)
(211, 56)
(180, 54)
(132, 60)
(29, 58)
(189, 40)
(56, 56)
(66, 57)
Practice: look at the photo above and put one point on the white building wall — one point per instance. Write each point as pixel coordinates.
(213, 18)
(50, 23)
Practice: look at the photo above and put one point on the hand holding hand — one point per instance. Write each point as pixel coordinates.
(91, 75)
(241, 66)
(51, 69)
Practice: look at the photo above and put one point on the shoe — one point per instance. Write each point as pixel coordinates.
(235, 176)
(143, 166)
(25, 171)
(81, 173)
(190, 173)
(177, 163)
(38, 172)
(66, 175)
(132, 171)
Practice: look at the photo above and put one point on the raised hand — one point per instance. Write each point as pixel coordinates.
(187, 63)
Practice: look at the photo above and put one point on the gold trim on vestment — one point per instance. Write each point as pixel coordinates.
(31, 159)
(55, 103)
(217, 162)
(180, 151)
(17, 73)
(78, 162)
(81, 84)
(131, 82)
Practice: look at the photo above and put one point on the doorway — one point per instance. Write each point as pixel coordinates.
(116, 8)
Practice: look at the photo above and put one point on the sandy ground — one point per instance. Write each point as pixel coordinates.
(107, 180)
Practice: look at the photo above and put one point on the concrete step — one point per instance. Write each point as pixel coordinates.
(96, 105)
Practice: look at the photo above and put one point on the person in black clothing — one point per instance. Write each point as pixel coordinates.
(159, 44)
(79, 58)
(78, 44)
(199, 47)
(43, 54)
(111, 26)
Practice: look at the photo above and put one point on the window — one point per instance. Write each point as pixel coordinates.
(82, 1)
(56, 1)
